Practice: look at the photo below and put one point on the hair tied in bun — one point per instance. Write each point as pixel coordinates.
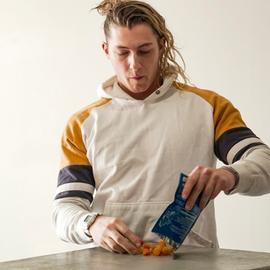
(107, 6)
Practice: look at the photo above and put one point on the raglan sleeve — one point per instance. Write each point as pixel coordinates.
(239, 148)
(75, 187)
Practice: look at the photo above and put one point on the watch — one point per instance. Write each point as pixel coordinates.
(88, 221)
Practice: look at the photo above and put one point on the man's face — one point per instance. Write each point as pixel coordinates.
(134, 54)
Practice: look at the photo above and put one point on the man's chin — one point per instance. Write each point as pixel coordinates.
(138, 89)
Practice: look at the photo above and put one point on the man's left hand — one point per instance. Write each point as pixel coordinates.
(208, 181)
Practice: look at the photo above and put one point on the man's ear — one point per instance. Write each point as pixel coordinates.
(105, 48)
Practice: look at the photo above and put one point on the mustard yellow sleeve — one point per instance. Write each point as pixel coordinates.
(73, 151)
(232, 138)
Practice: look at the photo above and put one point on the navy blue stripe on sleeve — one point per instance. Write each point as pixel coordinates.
(75, 193)
(231, 138)
(243, 150)
(76, 173)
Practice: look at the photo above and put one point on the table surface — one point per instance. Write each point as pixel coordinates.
(187, 258)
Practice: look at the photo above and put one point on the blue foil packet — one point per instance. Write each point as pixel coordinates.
(176, 222)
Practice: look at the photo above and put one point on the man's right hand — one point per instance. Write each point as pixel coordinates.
(114, 235)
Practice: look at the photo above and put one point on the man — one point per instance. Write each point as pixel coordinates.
(122, 155)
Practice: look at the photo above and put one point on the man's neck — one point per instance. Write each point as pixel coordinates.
(143, 95)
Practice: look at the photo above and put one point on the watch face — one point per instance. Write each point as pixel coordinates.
(88, 221)
(88, 218)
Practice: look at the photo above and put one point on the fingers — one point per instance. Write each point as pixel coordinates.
(198, 182)
(128, 234)
(126, 238)
(119, 243)
(112, 246)
(216, 190)
(205, 181)
(207, 192)
(114, 235)
(190, 183)
(106, 246)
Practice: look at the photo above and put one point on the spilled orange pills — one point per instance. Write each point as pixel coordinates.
(156, 249)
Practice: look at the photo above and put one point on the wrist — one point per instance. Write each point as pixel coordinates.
(236, 178)
(88, 222)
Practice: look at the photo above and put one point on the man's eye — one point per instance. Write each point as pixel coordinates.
(144, 52)
(122, 53)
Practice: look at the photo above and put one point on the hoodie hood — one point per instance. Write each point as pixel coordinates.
(111, 89)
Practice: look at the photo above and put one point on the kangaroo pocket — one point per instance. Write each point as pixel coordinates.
(140, 217)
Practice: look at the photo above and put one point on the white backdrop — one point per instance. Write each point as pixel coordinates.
(50, 65)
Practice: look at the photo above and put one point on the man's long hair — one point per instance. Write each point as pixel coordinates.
(128, 13)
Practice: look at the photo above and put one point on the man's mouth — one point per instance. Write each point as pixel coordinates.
(137, 78)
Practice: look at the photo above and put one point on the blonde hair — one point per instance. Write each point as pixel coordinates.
(128, 13)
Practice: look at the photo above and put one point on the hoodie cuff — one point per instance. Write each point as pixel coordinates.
(245, 181)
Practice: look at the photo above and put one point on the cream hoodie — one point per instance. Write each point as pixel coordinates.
(122, 157)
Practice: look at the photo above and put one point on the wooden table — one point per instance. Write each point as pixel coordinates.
(187, 258)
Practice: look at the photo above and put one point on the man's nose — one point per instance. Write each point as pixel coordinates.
(134, 61)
